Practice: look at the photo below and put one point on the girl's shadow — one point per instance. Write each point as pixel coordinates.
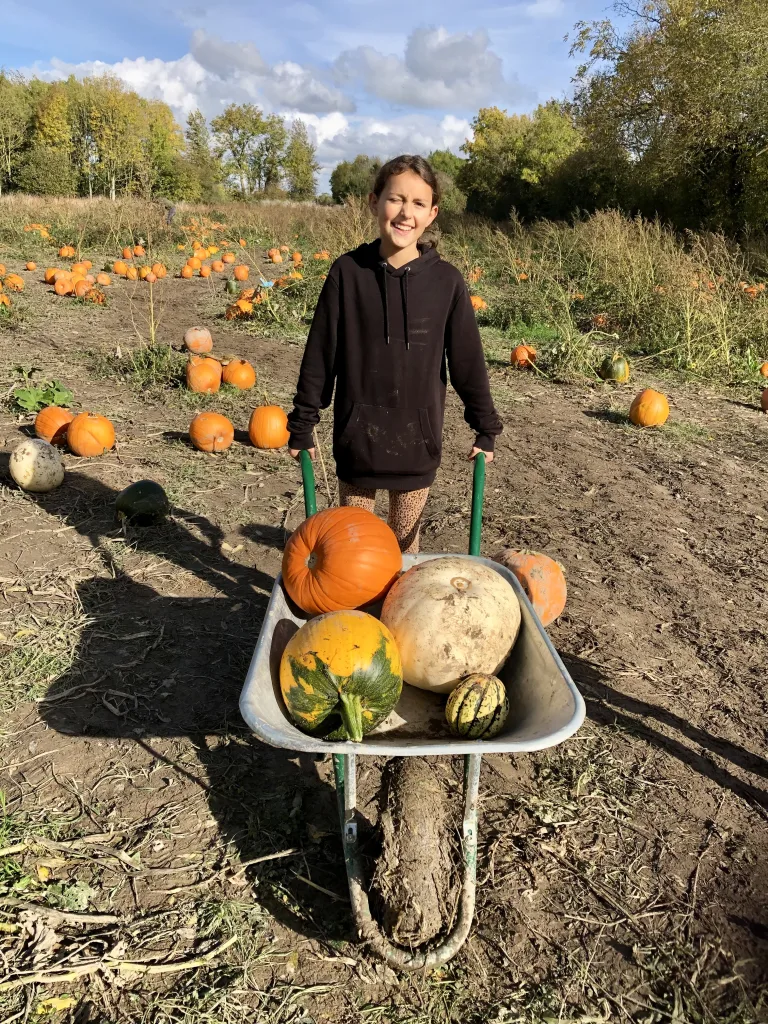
(153, 667)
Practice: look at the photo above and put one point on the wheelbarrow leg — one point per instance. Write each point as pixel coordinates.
(409, 960)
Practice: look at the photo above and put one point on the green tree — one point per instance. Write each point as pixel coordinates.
(116, 119)
(204, 164)
(267, 161)
(161, 145)
(452, 199)
(299, 164)
(446, 162)
(237, 133)
(354, 177)
(15, 118)
(46, 171)
(682, 91)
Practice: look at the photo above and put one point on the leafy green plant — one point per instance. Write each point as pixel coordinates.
(33, 396)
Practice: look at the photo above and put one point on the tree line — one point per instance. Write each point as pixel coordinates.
(668, 117)
(96, 137)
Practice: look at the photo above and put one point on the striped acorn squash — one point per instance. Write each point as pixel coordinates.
(477, 708)
(340, 675)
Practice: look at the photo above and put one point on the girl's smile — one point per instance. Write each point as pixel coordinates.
(404, 211)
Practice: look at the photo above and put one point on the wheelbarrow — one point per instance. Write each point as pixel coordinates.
(545, 709)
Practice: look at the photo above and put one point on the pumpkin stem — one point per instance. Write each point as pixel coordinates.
(352, 715)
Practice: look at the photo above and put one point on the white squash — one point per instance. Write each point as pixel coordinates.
(36, 466)
(451, 617)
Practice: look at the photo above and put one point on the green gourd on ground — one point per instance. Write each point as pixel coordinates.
(614, 368)
(340, 675)
(142, 503)
(478, 707)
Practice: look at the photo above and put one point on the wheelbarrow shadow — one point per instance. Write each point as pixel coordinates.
(152, 667)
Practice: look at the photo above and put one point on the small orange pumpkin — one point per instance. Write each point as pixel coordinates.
(138, 250)
(198, 340)
(127, 253)
(217, 266)
(523, 357)
(158, 269)
(764, 370)
(211, 432)
(51, 424)
(241, 272)
(203, 374)
(268, 427)
(194, 263)
(63, 286)
(542, 579)
(296, 257)
(67, 252)
(228, 257)
(478, 303)
(239, 373)
(14, 283)
(87, 264)
(120, 268)
(103, 279)
(82, 288)
(79, 268)
(186, 272)
(205, 271)
(30, 266)
(132, 274)
(5, 300)
(89, 434)
(649, 409)
(50, 274)
(150, 278)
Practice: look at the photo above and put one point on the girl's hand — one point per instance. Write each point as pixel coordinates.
(294, 453)
(476, 451)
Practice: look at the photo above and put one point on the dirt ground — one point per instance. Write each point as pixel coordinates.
(622, 875)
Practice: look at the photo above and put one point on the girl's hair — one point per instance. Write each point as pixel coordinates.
(398, 165)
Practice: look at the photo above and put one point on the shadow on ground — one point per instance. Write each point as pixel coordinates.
(151, 667)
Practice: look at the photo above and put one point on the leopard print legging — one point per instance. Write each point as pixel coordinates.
(405, 511)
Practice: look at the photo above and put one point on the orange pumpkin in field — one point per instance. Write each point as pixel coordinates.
(228, 257)
(150, 278)
(205, 271)
(120, 268)
(764, 370)
(138, 250)
(30, 266)
(523, 357)
(649, 409)
(198, 340)
(132, 274)
(14, 283)
(217, 266)
(211, 432)
(241, 272)
(127, 253)
(203, 374)
(104, 280)
(67, 252)
(158, 269)
(268, 427)
(89, 435)
(63, 286)
(79, 268)
(194, 263)
(186, 272)
(82, 288)
(51, 424)
(239, 373)
(318, 572)
(50, 274)
(542, 579)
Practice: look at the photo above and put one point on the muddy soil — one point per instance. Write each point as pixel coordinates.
(623, 873)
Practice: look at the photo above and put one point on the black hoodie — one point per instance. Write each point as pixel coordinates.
(384, 336)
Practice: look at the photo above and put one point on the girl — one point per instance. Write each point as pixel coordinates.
(390, 316)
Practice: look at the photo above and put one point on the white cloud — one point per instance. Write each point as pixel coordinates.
(439, 70)
(221, 58)
(545, 8)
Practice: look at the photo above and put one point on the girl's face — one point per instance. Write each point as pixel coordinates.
(404, 211)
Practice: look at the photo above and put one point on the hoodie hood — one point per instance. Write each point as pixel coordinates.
(370, 256)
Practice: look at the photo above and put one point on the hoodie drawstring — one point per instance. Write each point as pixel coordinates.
(404, 294)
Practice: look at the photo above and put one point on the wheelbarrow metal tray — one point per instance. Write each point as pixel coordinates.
(545, 706)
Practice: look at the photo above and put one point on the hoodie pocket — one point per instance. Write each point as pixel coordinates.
(378, 440)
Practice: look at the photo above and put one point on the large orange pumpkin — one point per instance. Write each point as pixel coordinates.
(240, 272)
(63, 286)
(211, 432)
(341, 558)
(89, 434)
(120, 268)
(158, 269)
(542, 579)
(649, 409)
(198, 339)
(239, 373)
(203, 374)
(268, 427)
(523, 357)
(51, 424)
(81, 287)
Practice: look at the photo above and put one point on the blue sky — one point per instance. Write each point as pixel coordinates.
(380, 78)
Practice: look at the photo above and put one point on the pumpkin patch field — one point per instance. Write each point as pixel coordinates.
(157, 863)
